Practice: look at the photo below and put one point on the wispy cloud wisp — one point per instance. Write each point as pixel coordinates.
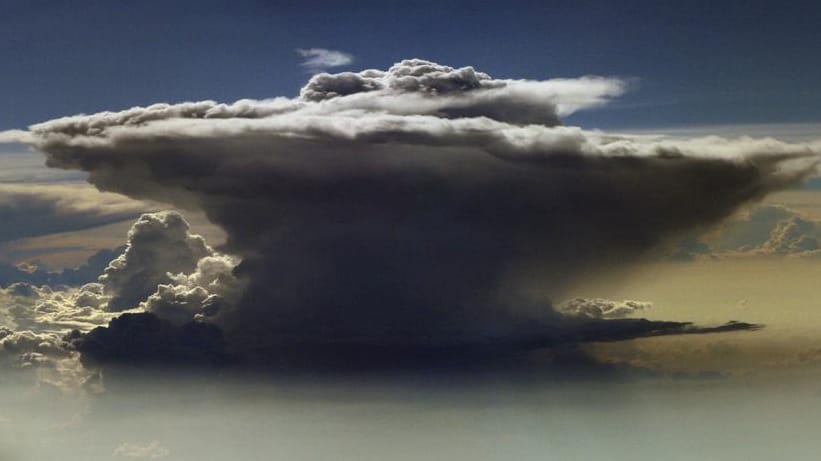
(319, 59)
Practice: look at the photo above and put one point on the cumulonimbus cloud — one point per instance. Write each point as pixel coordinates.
(421, 203)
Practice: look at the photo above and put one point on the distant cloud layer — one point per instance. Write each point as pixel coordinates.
(760, 231)
(420, 204)
(28, 168)
(28, 210)
(319, 59)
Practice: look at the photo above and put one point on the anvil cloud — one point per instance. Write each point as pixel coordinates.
(421, 203)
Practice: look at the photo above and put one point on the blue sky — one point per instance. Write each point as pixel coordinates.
(696, 63)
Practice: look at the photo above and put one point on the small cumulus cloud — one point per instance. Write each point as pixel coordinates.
(319, 59)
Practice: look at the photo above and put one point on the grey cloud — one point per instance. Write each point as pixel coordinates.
(761, 230)
(14, 136)
(163, 268)
(146, 339)
(52, 310)
(411, 75)
(411, 87)
(16, 276)
(752, 228)
(414, 205)
(417, 86)
(29, 167)
(23, 344)
(159, 244)
(601, 330)
(206, 292)
(172, 330)
(28, 210)
(793, 235)
(160, 250)
(45, 355)
(599, 308)
(138, 338)
(34, 322)
(22, 289)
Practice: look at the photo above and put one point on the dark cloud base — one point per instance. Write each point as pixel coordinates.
(144, 339)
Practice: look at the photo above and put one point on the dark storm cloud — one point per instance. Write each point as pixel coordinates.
(145, 338)
(420, 204)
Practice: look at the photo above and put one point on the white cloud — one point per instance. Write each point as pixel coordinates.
(14, 136)
(199, 295)
(319, 59)
(158, 244)
(177, 275)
